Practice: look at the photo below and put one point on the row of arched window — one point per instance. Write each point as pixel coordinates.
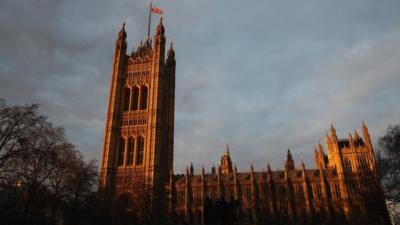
(135, 98)
(131, 151)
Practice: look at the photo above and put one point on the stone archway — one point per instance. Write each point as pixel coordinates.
(123, 209)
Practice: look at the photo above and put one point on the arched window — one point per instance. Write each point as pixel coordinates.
(347, 166)
(125, 99)
(130, 149)
(143, 97)
(121, 152)
(139, 151)
(135, 99)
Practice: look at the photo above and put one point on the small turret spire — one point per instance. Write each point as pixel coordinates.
(356, 136)
(350, 136)
(122, 32)
(289, 161)
(364, 127)
(227, 149)
(213, 169)
(191, 168)
(333, 130)
(320, 148)
(160, 27)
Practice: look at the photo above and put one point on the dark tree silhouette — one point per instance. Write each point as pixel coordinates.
(388, 162)
(44, 179)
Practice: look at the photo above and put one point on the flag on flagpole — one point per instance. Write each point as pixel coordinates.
(157, 10)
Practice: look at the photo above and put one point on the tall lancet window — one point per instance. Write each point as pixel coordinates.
(130, 149)
(139, 151)
(121, 152)
(135, 98)
(125, 99)
(143, 97)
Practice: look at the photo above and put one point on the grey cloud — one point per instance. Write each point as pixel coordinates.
(262, 76)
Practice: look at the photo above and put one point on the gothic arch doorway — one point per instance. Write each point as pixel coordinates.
(123, 209)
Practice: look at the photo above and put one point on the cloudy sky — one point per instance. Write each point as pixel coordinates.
(261, 76)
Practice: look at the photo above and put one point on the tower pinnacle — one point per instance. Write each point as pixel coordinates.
(122, 32)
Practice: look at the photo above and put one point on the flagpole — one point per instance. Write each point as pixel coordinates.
(148, 29)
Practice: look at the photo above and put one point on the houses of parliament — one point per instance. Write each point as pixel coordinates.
(137, 159)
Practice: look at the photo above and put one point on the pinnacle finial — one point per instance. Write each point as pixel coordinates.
(320, 146)
(227, 149)
(356, 136)
(122, 32)
(364, 126)
(191, 168)
(333, 130)
(160, 28)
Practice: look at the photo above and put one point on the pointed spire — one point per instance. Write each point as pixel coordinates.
(235, 168)
(171, 52)
(356, 136)
(191, 168)
(251, 167)
(364, 126)
(268, 167)
(213, 169)
(160, 27)
(187, 170)
(350, 137)
(227, 150)
(122, 32)
(289, 161)
(327, 138)
(202, 170)
(333, 130)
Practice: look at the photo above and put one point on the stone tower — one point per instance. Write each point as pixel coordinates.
(138, 139)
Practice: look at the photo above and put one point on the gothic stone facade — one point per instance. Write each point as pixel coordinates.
(138, 138)
(138, 156)
(296, 195)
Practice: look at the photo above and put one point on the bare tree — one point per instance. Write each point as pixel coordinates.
(44, 179)
(15, 124)
(388, 162)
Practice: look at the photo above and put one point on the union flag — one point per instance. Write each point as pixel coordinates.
(157, 10)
